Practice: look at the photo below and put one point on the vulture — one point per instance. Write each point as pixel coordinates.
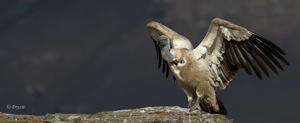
(225, 49)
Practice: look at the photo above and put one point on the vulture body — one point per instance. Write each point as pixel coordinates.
(213, 63)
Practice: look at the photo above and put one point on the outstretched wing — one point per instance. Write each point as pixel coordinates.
(177, 41)
(228, 47)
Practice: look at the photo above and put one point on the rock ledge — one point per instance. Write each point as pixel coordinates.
(173, 114)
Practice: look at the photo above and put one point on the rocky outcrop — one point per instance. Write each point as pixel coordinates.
(170, 114)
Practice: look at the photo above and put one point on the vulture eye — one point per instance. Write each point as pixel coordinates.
(182, 61)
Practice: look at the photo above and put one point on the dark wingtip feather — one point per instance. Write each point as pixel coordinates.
(265, 58)
(248, 47)
(286, 62)
(258, 56)
(159, 59)
(269, 43)
(167, 71)
(251, 60)
(156, 47)
(164, 66)
(158, 53)
(276, 51)
(266, 51)
(235, 58)
(241, 58)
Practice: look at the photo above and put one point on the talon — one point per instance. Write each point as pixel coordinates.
(195, 107)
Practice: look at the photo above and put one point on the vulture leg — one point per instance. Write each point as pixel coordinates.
(196, 105)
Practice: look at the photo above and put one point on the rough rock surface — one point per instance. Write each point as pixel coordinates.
(170, 114)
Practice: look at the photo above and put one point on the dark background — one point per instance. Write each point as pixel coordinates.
(76, 56)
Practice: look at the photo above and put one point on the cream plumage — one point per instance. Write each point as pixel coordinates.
(213, 63)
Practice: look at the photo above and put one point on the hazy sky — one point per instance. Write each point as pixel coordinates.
(76, 56)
